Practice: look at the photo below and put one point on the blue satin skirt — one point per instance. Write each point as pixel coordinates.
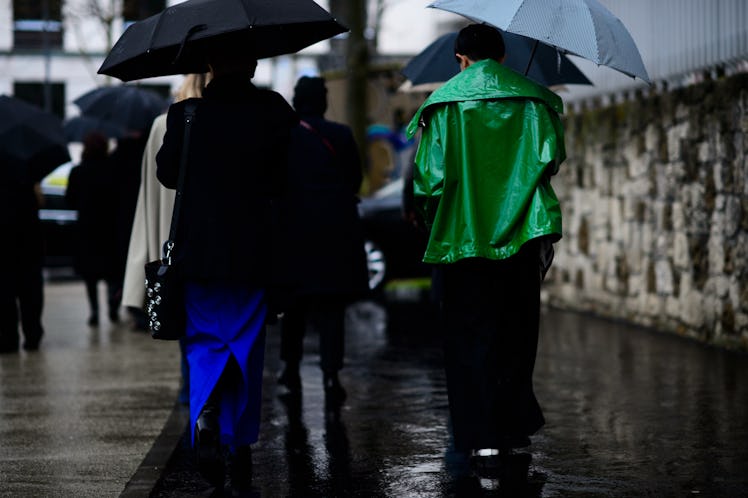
(226, 321)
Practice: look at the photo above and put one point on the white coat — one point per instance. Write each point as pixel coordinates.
(150, 228)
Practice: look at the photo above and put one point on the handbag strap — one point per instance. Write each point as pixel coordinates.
(324, 139)
(189, 115)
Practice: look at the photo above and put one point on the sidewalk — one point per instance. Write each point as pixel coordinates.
(78, 417)
(629, 412)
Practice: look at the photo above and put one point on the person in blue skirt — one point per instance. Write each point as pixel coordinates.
(235, 174)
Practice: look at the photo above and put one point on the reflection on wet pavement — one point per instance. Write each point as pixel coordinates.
(629, 413)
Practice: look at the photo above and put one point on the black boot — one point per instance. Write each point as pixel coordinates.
(238, 479)
(208, 455)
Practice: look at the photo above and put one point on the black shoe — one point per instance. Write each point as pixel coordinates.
(238, 479)
(31, 346)
(93, 321)
(208, 455)
(334, 392)
(291, 379)
(114, 316)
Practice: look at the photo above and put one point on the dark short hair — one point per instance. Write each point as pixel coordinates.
(480, 41)
(310, 96)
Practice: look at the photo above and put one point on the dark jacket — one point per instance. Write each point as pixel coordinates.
(92, 191)
(324, 180)
(235, 174)
(20, 227)
(126, 162)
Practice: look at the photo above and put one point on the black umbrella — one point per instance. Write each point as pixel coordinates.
(436, 63)
(78, 127)
(128, 106)
(31, 139)
(179, 39)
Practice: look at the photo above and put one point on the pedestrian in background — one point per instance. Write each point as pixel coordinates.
(491, 140)
(92, 192)
(324, 179)
(152, 220)
(235, 173)
(22, 251)
(126, 161)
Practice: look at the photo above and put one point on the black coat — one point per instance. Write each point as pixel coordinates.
(92, 191)
(235, 174)
(20, 227)
(126, 164)
(324, 180)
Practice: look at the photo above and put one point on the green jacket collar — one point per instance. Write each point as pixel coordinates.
(486, 80)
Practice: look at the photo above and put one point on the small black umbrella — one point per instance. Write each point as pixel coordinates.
(436, 63)
(78, 127)
(128, 106)
(30, 139)
(179, 39)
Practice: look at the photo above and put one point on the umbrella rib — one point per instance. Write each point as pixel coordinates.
(246, 13)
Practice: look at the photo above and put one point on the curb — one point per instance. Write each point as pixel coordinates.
(150, 469)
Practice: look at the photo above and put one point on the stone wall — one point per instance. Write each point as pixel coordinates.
(655, 200)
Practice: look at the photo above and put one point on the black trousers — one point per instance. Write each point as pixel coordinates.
(327, 317)
(113, 292)
(22, 290)
(491, 313)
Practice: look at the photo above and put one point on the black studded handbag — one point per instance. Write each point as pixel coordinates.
(164, 287)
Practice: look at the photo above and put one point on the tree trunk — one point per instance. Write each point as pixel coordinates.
(353, 14)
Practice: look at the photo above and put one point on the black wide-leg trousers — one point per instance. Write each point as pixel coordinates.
(491, 311)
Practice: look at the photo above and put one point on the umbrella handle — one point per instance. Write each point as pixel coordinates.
(194, 29)
(532, 55)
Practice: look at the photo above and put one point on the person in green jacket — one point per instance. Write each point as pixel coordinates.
(490, 141)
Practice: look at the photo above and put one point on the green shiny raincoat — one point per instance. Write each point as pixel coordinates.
(491, 139)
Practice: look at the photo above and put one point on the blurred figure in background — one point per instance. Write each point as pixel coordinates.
(324, 179)
(152, 220)
(126, 160)
(92, 192)
(22, 284)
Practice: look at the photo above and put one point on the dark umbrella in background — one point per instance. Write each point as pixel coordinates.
(32, 141)
(78, 127)
(127, 106)
(179, 39)
(436, 63)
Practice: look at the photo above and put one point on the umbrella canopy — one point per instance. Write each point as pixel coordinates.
(580, 27)
(31, 139)
(436, 63)
(179, 39)
(127, 106)
(78, 127)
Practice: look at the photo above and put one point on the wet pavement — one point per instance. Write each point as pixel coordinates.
(78, 416)
(629, 412)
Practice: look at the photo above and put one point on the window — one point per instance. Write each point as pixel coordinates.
(34, 93)
(37, 24)
(135, 10)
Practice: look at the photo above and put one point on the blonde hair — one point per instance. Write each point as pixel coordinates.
(192, 86)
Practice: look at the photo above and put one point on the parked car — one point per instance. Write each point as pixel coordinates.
(58, 220)
(394, 247)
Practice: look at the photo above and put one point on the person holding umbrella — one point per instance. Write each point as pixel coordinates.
(491, 140)
(234, 176)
